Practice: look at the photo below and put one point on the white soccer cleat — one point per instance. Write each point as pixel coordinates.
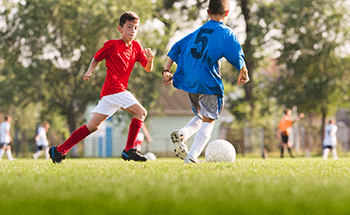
(191, 160)
(180, 144)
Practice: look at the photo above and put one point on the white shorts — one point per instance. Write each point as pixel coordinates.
(108, 105)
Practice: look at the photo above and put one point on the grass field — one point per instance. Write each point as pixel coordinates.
(168, 186)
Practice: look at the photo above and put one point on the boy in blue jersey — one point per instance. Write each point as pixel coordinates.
(198, 58)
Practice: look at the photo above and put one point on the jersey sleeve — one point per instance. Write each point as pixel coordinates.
(178, 47)
(105, 51)
(233, 51)
(141, 57)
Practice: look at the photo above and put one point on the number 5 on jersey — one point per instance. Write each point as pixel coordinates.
(201, 39)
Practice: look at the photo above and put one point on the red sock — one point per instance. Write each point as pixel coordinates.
(134, 129)
(77, 136)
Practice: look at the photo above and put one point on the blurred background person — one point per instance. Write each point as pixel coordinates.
(330, 140)
(141, 137)
(5, 138)
(42, 143)
(284, 130)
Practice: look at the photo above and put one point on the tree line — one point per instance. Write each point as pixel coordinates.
(294, 50)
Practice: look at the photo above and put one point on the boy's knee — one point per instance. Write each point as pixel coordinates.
(141, 115)
(92, 128)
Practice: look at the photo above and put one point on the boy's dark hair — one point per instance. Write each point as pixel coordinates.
(7, 117)
(128, 16)
(218, 7)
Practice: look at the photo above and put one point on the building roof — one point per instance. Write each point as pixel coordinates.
(173, 101)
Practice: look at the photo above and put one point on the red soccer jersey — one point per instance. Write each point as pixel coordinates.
(120, 61)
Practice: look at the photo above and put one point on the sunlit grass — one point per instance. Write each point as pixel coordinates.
(168, 186)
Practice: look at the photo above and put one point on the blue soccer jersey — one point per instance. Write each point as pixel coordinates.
(198, 57)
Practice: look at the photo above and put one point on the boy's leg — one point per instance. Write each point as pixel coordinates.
(2, 151)
(325, 153)
(82, 132)
(290, 150)
(209, 108)
(47, 156)
(282, 150)
(334, 153)
(200, 141)
(140, 113)
(37, 154)
(9, 154)
(191, 127)
(179, 137)
(138, 145)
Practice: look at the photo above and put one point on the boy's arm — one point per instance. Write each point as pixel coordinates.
(300, 116)
(92, 66)
(37, 137)
(168, 77)
(149, 56)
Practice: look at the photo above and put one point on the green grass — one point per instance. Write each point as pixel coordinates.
(167, 186)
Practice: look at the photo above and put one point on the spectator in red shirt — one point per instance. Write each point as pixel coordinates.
(121, 56)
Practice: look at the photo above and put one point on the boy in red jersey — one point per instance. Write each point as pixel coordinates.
(120, 56)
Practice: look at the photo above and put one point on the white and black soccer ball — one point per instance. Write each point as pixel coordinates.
(150, 156)
(220, 151)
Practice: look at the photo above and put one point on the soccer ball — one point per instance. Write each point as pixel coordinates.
(150, 156)
(220, 151)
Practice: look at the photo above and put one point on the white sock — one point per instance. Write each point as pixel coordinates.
(192, 127)
(47, 156)
(2, 152)
(334, 152)
(202, 137)
(325, 153)
(37, 154)
(9, 155)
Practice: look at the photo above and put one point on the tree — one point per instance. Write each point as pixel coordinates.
(47, 46)
(310, 34)
(253, 105)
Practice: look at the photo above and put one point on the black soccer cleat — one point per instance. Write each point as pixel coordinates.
(134, 155)
(56, 156)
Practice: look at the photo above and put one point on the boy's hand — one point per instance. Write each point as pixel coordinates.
(149, 54)
(87, 75)
(168, 78)
(243, 76)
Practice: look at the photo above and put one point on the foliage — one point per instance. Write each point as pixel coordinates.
(310, 34)
(47, 46)
(253, 106)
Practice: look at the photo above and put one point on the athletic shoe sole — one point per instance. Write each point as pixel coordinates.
(180, 145)
(190, 160)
